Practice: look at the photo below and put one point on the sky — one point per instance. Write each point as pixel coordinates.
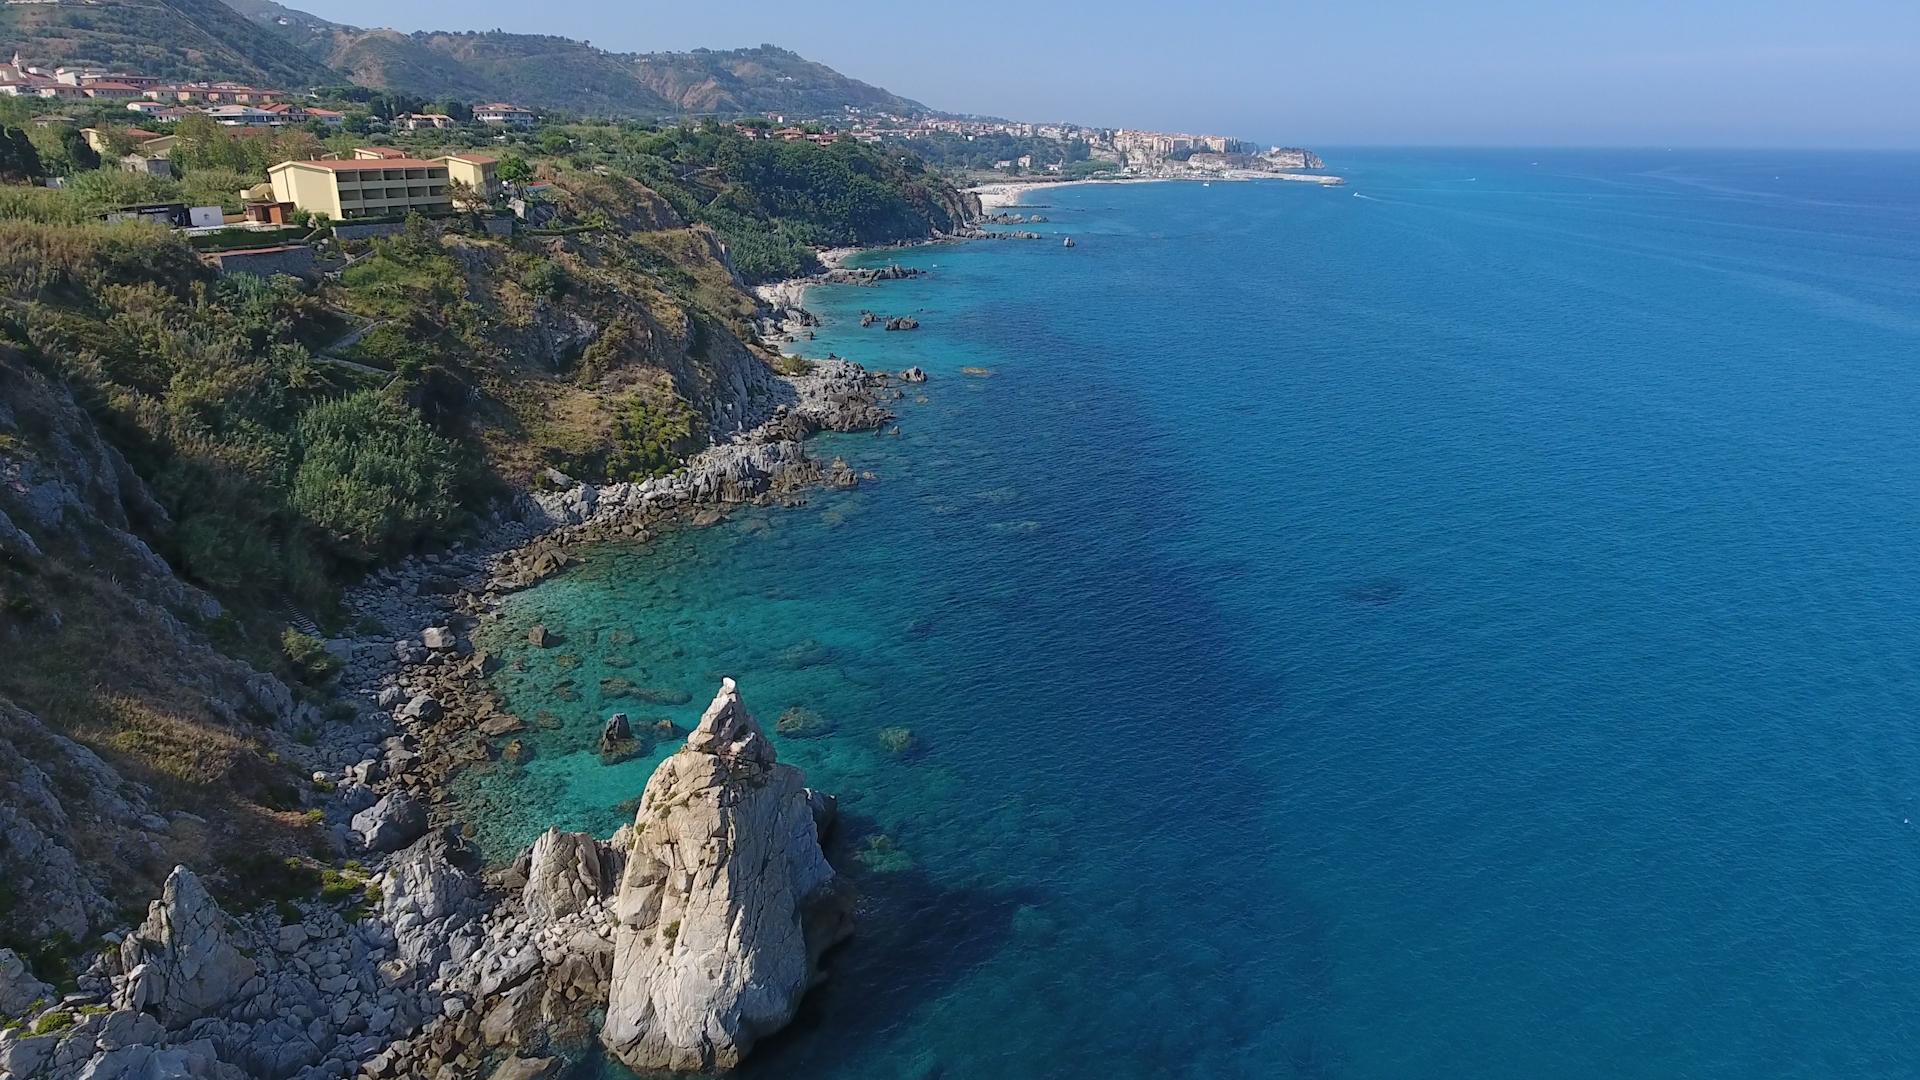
(1755, 73)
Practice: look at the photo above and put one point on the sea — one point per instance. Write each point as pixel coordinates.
(1463, 623)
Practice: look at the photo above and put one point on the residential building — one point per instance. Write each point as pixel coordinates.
(477, 171)
(344, 189)
(326, 116)
(112, 91)
(502, 114)
(287, 112)
(220, 93)
(100, 139)
(36, 86)
(243, 116)
(377, 153)
(424, 121)
(147, 164)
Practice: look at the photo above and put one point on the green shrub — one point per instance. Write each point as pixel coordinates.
(54, 1021)
(651, 436)
(372, 476)
(309, 656)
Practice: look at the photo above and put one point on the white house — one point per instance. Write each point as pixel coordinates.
(503, 114)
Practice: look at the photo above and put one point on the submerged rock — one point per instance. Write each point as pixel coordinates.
(800, 722)
(726, 904)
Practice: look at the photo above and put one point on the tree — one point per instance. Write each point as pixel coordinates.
(296, 144)
(466, 197)
(513, 169)
(19, 160)
(63, 151)
(372, 476)
(199, 143)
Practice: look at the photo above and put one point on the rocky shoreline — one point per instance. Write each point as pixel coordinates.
(413, 961)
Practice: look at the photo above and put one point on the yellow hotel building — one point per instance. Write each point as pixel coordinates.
(344, 189)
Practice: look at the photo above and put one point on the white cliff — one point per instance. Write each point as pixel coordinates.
(726, 903)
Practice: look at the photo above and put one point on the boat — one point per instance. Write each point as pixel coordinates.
(1068, 242)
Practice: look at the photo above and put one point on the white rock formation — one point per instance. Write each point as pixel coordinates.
(182, 963)
(566, 872)
(18, 988)
(726, 903)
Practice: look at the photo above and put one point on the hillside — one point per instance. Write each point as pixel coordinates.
(174, 39)
(558, 72)
(201, 39)
(186, 461)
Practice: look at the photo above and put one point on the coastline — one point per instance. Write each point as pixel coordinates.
(439, 964)
(1000, 195)
(442, 965)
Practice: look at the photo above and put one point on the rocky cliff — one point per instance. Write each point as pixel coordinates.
(726, 905)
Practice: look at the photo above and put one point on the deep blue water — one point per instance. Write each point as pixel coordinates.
(1460, 624)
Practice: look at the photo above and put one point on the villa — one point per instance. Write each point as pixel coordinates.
(503, 115)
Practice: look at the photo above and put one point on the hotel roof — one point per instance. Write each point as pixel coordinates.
(357, 164)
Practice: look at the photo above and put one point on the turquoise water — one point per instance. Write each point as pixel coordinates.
(1461, 624)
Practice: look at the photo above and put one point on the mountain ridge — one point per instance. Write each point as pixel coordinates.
(204, 40)
(560, 72)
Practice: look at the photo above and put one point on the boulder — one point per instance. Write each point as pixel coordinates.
(566, 872)
(182, 961)
(726, 903)
(617, 735)
(913, 375)
(539, 637)
(392, 823)
(421, 706)
(437, 638)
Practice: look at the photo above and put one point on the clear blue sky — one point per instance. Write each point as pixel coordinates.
(1488, 72)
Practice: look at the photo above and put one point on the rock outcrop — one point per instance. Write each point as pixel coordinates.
(19, 989)
(182, 963)
(565, 873)
(726, 904)
(392, 823)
